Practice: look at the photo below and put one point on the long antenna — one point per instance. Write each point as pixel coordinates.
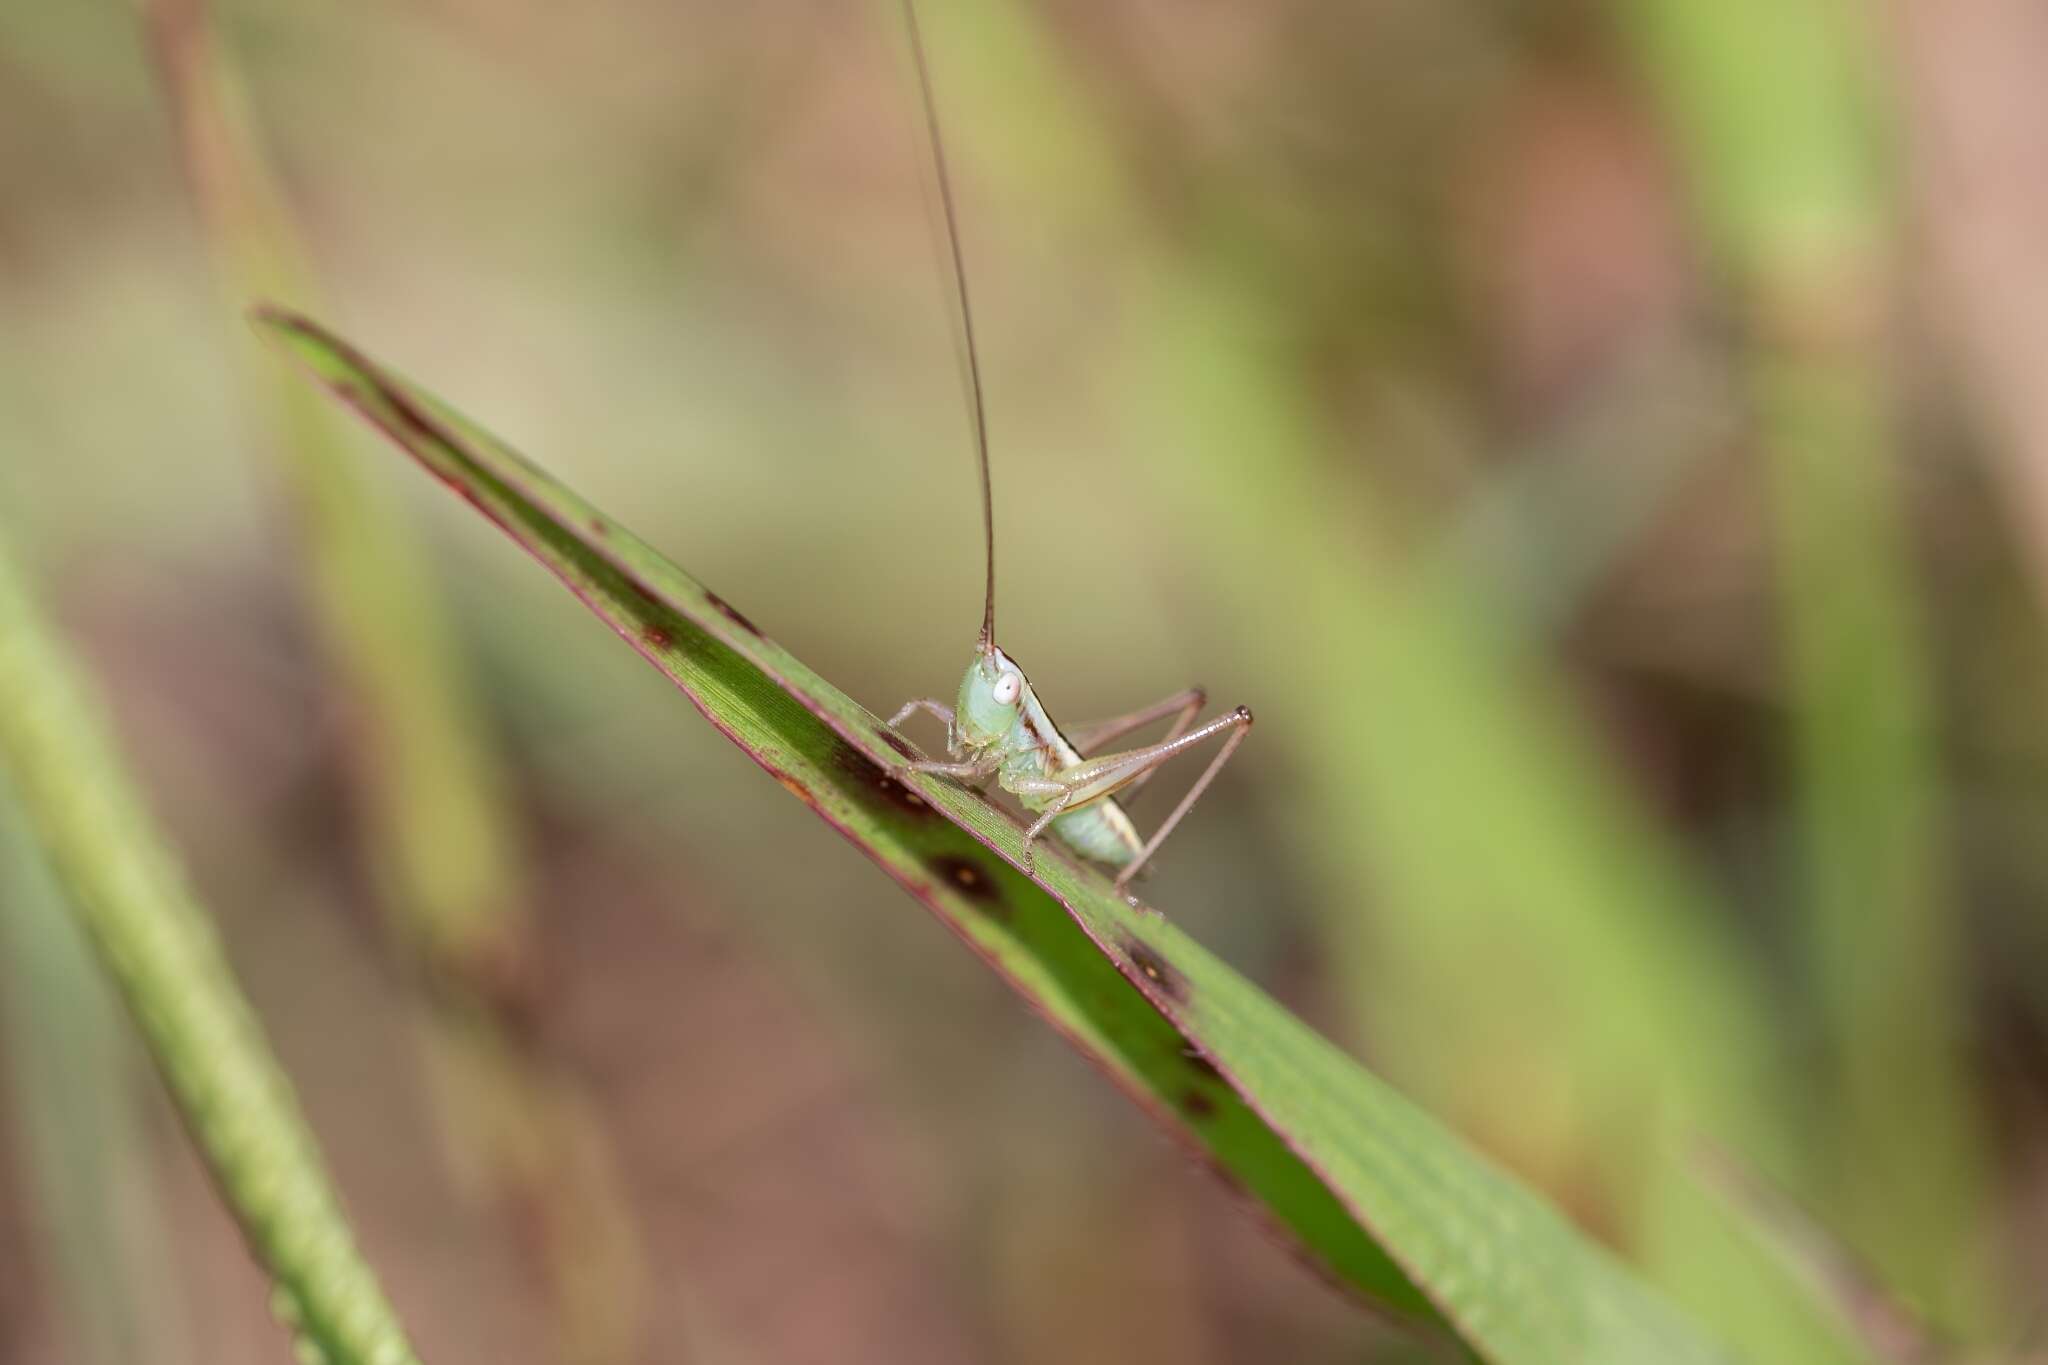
(988, 503)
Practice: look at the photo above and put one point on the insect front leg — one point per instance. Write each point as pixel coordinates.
(917, 704)
(937, 708)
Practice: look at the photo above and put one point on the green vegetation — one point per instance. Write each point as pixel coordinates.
(1275, 1105)
(158, 945)
(1601, 443)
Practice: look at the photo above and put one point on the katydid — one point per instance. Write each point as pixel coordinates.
(997, 726)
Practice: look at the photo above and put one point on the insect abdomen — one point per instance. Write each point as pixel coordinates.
(1101, 832)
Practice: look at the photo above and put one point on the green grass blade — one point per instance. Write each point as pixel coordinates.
(1387, 1200)
(161, 950)
(74, 1094)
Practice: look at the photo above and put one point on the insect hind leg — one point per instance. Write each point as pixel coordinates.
(1096, 778)
(1183, 706)
(1238, 723)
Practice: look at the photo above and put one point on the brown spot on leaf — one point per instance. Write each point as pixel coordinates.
(662, 631)
(970, 879)
(731, 613)
(899, 744)
(1203, 1067)
(875, 787)
(410, 412)
(1156, 970)
(1197, 1105)
(797, 789)
(599, 528)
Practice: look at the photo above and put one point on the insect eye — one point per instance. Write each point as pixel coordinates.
(1008, 687)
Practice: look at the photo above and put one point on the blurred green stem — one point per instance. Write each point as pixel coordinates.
(440, 837)
(436, 829)
(165, 959)
(75, 1098)
(1787, 148)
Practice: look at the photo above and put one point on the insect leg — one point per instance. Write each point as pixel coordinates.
(1187, 703)
(1107, 774)
(1062, 797)
(916, 704)
(974, 771)
(1241, 719)
(1096, 778)
(937, 708)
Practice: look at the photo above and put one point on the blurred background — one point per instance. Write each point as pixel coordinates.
(1600, 438)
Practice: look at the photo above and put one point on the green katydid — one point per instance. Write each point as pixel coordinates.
(997, 727)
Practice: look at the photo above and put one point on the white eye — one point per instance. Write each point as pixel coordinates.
(1008, 687)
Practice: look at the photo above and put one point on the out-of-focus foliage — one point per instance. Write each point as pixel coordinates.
(159, 947)
(427, 796)
(1601, 440)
